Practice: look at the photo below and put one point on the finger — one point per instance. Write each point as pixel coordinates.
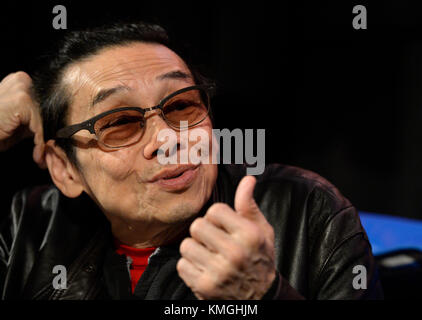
(11, 77)
(16, 81)
(38, 155)
(189, 273)
(36, 127)
(6, 78)
(214, 238)
(35, 124)
(225, 218)
(27, 114)
(244, 203)
(196, 253)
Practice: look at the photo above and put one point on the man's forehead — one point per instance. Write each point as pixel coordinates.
(128, 65)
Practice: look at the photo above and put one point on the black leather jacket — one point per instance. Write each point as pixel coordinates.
(318, 240)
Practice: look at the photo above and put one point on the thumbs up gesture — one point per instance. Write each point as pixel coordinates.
(230, 254)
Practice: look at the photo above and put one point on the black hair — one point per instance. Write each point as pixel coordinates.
(77, 45)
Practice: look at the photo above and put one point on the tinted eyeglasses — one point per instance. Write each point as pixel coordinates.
(124, 126)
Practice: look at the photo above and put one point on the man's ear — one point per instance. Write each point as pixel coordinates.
(65, 175)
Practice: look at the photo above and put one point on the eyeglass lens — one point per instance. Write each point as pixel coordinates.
(126, 127)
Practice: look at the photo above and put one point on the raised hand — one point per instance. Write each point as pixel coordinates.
(19, 114)
(231, 252)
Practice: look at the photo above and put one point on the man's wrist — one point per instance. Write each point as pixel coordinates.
(281, 290)
(274, 288)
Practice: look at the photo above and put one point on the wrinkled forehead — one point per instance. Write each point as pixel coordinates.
(135, 65)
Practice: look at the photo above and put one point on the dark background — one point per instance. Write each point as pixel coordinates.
(344, 103)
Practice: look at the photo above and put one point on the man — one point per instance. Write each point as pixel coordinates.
(126, 226)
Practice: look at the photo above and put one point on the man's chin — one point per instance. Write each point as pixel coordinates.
(181, 212)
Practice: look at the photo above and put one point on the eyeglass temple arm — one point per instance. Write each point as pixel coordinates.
(68, 131)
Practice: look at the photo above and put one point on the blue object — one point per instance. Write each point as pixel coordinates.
(387, 233)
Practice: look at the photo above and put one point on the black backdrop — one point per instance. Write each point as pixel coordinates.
(344, 103)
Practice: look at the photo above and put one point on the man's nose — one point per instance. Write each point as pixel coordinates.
(154, 124)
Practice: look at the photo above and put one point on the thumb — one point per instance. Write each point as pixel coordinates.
(244, 203)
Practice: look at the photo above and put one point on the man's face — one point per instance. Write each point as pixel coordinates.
(122, 181)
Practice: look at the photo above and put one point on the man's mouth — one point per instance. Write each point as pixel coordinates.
(176, 179)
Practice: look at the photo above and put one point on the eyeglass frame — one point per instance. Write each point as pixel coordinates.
(68, 131)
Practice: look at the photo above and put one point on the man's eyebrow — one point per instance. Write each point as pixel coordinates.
(174, 75)
(105, 93)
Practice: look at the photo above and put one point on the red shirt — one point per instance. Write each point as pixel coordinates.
(139, 260)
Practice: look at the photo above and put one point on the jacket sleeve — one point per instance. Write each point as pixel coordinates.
(344, 267)
(350, 271)
(339, 279)
(4, 256)
(8, 230)
(339, 260)
(282, 290)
